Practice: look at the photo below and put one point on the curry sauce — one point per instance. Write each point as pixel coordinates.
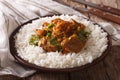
(64, 36)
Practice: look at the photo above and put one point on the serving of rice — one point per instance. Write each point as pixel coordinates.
(95, 46)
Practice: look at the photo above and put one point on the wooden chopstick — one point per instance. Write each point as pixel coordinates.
(101, 14)
(100, 6)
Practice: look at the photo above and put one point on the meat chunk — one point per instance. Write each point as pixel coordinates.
(40, 32)
(72, 44)
(64, 27)
(57, 20)
(45, 24)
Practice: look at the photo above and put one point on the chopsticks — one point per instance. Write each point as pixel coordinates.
(100, 6)
(99, 13)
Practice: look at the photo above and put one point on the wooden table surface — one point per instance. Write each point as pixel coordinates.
(108, 69)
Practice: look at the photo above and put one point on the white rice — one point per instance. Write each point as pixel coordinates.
(95, 46)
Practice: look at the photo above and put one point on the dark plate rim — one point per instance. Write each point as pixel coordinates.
(25, 63)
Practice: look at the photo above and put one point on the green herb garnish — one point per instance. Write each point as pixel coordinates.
(49, 29)
(59, 47)
(48, 33)
(50, 26)
(53, 41)
(83, 35)
(34, 40)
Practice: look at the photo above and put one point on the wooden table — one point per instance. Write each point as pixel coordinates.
(108, 69)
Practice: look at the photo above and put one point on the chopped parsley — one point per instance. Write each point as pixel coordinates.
(49, 33)
(53, 41)
(34, 40)
(59, 47)
(50, 25)
(83, 35)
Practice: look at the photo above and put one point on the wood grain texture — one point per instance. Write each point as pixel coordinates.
(118, 4)
(49, 76)
(96, 72)
(112, 64)
(92, 17)
(108, 69)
